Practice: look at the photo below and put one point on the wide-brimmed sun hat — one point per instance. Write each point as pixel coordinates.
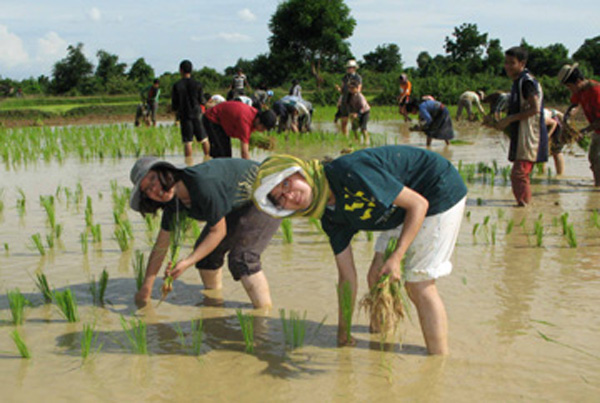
(139, 170)
(565, 71)
(351, 63)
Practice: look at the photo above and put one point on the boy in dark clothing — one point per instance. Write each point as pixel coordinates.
(186, 98)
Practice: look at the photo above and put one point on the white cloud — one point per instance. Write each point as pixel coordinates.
(12, 52)
(246, 15)
(234, 37)
(51, 46)
(95, 14)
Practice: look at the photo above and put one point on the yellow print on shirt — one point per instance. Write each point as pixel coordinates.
(358, 201)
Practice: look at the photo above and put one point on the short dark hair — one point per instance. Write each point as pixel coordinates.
(267, 118)
(412, 105)
(156, 81)
(353, 83)
(517, 52)
(185, 66)
(576, 75)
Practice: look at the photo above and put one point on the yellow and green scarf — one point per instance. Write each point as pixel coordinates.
(277, 168)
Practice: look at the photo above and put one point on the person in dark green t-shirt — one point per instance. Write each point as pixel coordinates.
(218, 192)
(408, 193)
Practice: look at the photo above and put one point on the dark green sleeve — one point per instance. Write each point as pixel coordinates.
(339, 235)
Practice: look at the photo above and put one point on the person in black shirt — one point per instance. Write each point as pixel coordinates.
(186, 100)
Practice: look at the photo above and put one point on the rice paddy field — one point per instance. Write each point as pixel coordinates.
(523, 300)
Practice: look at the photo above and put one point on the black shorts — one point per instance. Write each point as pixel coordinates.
(220, 142)
(249, 231)
(190, 128)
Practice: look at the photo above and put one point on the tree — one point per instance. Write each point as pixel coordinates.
(109, 67)
(385, 58)
(469, 43)
(546, 60)
(495, 57)
(589, 53)
(140, 71)
(423, 59)
(313, 31)
(71, 71)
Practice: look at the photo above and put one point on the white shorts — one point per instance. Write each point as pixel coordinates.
(428, 257)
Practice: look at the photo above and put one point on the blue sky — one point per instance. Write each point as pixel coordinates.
(35, 34)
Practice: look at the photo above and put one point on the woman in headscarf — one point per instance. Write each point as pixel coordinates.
(408, 193)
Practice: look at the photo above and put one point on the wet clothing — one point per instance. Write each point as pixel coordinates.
(366, 183)
(435, 120)
(528, 137)
(466, 100)
(589, 99)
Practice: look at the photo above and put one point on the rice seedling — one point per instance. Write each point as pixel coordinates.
(493, 233)
(98, 290)
(179, 228)
(479, 201)
(89, 341)
(317, 224)
(564, 220)
(369, 235)
(50, 241)
(83, 240)
(539, 233)
(20, 343)
(139, 268)
(468, 215)
(571, 237)
(247, 327)
(58, 230)
(346, 306)
(37, 243)
(17, 303)
(197, 336)
(1, 200)
(500, 214)
(136, 333)
(89, 219)
(595, 218)
(6, 247)
(21, 202)
(41, 283)
(47, 203)
(67, 304)
(294, 329)
(96, 232)
(180, 334)
(286, 230)
(475, 228)
(122, 239)
(486, 220)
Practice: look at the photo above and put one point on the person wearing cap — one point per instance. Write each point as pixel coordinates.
(217, 192)
(351, 74)
(585, 93)
(404, 96)
(234, 119)
(261, 97)
(187, 98)
(466, 100)
(408, 193)
(360, 111)
(434, 120)
(525, 124)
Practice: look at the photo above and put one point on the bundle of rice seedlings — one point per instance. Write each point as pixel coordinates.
(42, 284)
(179, 226)
(263, 141)
(294, 329)
(67, 304)
(139, 268)
(385, 303)
(98, 290)
(20, 343)
(17, 303)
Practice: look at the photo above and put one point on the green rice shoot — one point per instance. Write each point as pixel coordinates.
(17, 303)
(41, 283)
(286, 230)
(20, 343)
(139, 269)
(346, 306)
(37, 243)
(136, 333)
(197, 336)
(89, 341)
(67, 304)
(247, 326)
(99, 289)
(294, 328)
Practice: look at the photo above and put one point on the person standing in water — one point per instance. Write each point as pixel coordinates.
(408, 193)
(219, 193)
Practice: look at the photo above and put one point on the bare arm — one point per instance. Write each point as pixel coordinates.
(416, 207)
(346, 273)
(533, 107)
(245, 150)
(155, 260)
(215, 235)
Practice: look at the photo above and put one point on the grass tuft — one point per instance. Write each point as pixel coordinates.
(17, 303)
(136, 333)
(294, 329)
(42, 284)
(67, 304)
(89, 341)
(247, 327)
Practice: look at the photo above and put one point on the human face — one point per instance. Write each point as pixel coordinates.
(353, 90)
(293, 193)
(351, 70)
(152, 188)
(513, 66)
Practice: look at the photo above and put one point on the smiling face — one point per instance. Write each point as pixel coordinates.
(293, 193)
(152, 187)
(513, 66)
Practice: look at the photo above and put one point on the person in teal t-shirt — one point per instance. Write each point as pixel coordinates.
(218, 192)
(407, 193)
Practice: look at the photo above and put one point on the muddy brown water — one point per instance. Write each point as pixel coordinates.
(524, 320)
